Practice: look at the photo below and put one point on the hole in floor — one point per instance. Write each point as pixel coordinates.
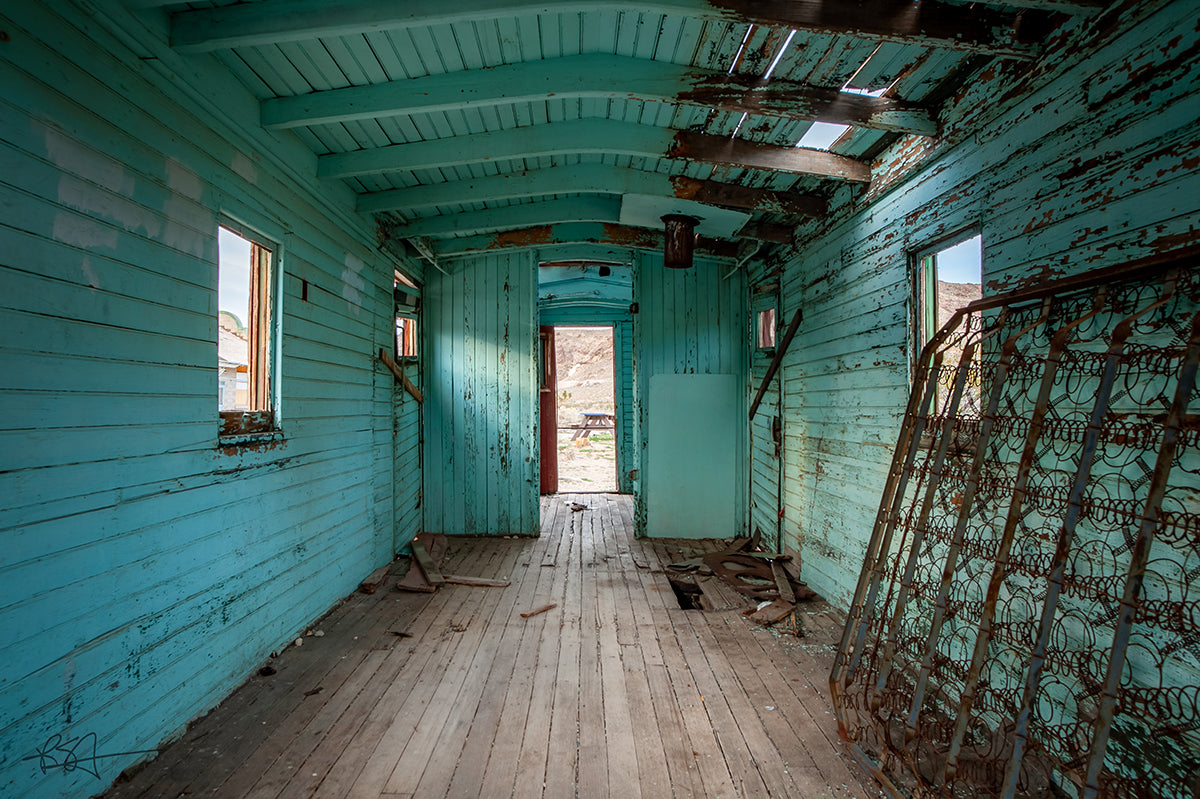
(687, 592)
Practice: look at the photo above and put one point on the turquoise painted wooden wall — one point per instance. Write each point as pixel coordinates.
(405, 468)
(146, 570)
(1064, 165)
(689, 322)
(481, 446)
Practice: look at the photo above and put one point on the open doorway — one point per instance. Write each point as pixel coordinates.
(586, 409)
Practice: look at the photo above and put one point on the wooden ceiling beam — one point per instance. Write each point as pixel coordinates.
(512, 217)
(606, 209)
(592, 136)
(599, 76)
(614, 235)
(1060, 6)
(927, 24)
(587, 179)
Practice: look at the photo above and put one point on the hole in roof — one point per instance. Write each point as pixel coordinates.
(779, 56)
(737, 57)
(822, 135)
(865, 92)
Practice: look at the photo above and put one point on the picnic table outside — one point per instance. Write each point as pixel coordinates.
(594, 420)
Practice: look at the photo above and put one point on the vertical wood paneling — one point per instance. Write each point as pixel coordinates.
(481, 397)
(1073, 164)
(146, 570)
(689, 321)
(623, 377)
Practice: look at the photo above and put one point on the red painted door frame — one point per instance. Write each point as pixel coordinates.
(548, 417)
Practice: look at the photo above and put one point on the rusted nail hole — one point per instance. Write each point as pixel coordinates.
(4, 37)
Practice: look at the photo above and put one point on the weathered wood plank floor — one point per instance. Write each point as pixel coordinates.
(616, 692)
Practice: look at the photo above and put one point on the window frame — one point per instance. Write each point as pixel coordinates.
(262, 422)
(923, 280)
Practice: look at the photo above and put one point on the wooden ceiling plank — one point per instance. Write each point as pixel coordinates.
(592, 136)
(597, 178)
(599, 76)
(929, 23)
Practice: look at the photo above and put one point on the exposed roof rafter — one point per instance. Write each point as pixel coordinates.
(550, 212)
(592, 136)
(592, 208)
(592, 76)
(929, 23)
(592, 178)
(623, 236)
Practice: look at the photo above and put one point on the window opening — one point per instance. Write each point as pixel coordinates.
(406, 337)
(945, 279)
(245, 333)
(765, 333)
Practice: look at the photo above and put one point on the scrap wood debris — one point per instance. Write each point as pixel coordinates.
(424, 572)
(740, 574)
(542, 609)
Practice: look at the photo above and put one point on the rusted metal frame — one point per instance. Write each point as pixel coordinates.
(1139, 558)
(1141, 269)
(928, 365)
(1056, 579)
(935, 477)
(784, 343)
(987, 423)
(1000, 569)
(865, 593)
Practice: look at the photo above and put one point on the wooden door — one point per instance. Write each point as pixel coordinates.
(548, 418)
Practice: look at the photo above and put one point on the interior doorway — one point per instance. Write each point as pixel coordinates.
(586, 412)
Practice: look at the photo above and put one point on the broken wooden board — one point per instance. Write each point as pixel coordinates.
(719, 595)
(783, 582)
(425, 563)
(482, 582)
(414, 580)
(436, 545)
(774, 611)
(527, 614)
(374, 579)
(398, 373)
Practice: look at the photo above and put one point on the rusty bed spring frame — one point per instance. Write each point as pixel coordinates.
(1012, 634)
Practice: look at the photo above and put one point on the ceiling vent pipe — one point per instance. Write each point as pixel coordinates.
(681, 240)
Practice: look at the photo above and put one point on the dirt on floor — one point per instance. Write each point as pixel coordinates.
(587, 464)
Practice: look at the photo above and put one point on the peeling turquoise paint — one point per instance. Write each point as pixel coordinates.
(1065, 165)
(481, 446)
(146, 570)
(689, 322)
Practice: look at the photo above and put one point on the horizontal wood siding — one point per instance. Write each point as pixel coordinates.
(146, 571)
(481, 409)
(764, 463)
(1086, 158)
(689, 321)
(406, 479)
